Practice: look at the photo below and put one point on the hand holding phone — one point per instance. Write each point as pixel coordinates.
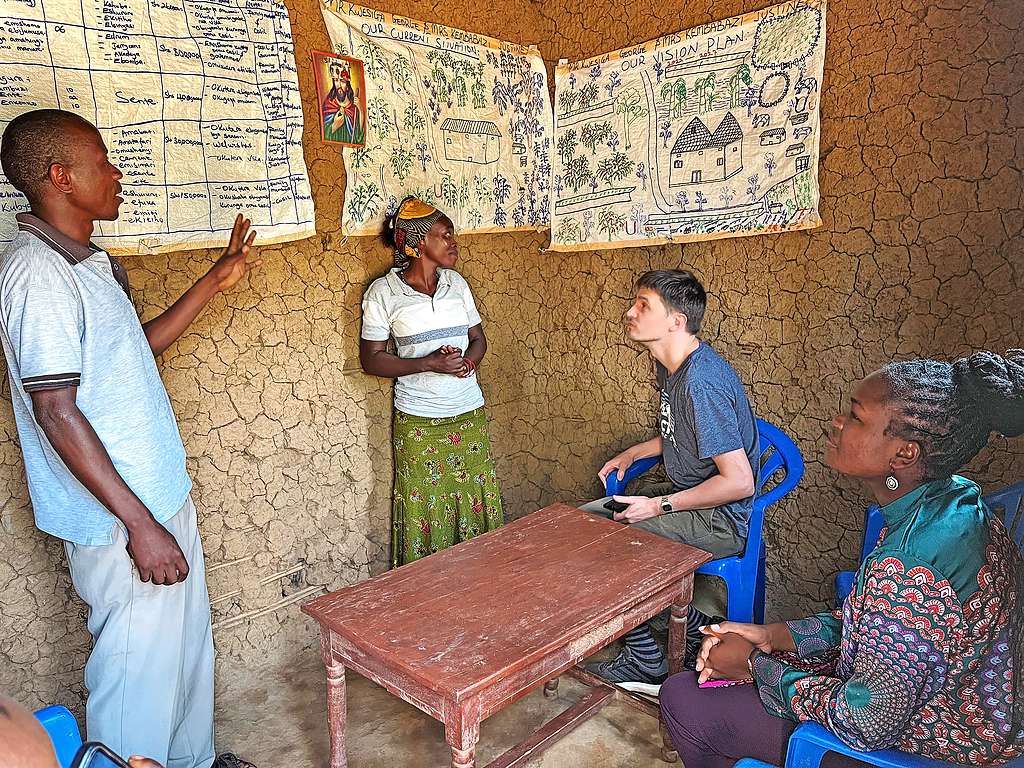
(615, 507)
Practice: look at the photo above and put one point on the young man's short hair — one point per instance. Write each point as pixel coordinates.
(681, 292)
(33, 142)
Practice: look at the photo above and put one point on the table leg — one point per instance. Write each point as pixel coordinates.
(337, 711)
(551, 689)
(676, 655)
(462, 737)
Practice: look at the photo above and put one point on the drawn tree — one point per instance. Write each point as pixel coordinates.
(379, 117)
(666, 132)
(741, 77)
(478, 92)
(641, 173)
(726, 196)
(500, 96)
(613, 141)
(464, 194)
(668, 95)
(630, 105)
(502, 189)
(401, 71)
(375, 62)
(769, 163)
(572, 80)
(593, 183)
(558, 185)
(588, 94)
(680, 98)
(449, 192)
(361, 156)
(481, 190)
(700, 200)
(753, 186)
(401, 162)
(412, 119)
(568, 231)
(682, 200)
(614, 81)
(459, 89)
(363, 201)
(577, 173)
(609, 221)
(500, 218)
(475, 220)
(705, 88)
(424, 155)
(567, 101)
(615, 168)
(593, 134)
(567, 145)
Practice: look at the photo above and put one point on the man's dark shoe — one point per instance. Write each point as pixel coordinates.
(624, 669)
(231, 760)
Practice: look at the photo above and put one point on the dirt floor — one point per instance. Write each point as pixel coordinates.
(287, 727)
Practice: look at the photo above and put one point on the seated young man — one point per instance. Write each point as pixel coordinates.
(708, 440)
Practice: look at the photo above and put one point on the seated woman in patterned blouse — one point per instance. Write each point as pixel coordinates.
(927, 653)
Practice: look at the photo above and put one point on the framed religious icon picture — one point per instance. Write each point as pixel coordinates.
(341, 96)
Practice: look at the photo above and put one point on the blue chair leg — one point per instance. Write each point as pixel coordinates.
(759, 587)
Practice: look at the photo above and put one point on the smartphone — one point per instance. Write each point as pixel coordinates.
(92, 754)
(614, 506)
(724, 683)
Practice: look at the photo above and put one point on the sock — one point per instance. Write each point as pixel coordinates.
(645, 650)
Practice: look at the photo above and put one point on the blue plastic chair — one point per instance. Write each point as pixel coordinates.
(62, 728)
(744, 575)
(1010, 500)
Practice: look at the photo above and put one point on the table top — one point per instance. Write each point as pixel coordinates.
(483, 608)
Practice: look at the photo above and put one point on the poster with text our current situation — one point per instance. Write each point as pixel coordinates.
(460, 120)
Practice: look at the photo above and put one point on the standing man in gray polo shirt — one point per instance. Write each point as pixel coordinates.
(104, 460)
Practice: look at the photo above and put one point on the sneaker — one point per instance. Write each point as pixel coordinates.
(624, 669)
(231, 760)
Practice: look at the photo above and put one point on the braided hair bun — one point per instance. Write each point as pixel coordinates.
(951, 409)
(995, 386)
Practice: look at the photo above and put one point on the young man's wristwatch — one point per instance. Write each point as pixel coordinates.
(665, 504)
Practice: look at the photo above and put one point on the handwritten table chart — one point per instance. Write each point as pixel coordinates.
(467, 631)
(197, 102)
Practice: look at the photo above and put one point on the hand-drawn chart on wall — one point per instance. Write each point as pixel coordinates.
(460, 120)
(197, 102)
(708, 133)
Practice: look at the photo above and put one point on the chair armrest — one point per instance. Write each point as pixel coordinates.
(613, 486)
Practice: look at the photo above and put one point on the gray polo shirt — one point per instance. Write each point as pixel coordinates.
(67, 319)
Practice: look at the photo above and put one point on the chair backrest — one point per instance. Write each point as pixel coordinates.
(777, 452)
(1010, 501)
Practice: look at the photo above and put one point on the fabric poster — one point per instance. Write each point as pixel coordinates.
(708, 133)
(460, 120)
(197, 103)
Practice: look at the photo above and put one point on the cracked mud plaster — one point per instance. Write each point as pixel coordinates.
(289, 444)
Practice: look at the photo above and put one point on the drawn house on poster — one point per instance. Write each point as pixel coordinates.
(699, 156)
(471, 141)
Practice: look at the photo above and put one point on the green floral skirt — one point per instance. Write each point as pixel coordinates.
(446, 490)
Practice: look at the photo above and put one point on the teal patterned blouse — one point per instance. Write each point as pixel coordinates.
(926, 650)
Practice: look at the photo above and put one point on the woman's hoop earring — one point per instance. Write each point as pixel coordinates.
(892, 483)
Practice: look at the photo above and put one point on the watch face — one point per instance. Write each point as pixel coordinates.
(666, 505)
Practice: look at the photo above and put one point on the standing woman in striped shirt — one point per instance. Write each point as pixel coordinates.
(446, 489)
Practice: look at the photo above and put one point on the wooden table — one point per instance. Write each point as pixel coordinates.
(465, 632)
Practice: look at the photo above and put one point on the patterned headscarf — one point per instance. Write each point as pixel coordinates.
(410, 224)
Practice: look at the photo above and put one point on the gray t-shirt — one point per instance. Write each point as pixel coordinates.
(704, 413)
